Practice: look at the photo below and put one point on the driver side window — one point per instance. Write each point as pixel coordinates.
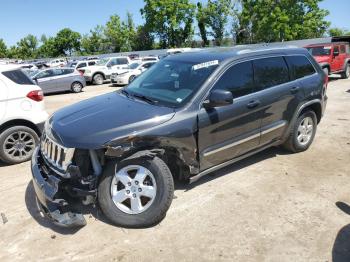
(238, 79)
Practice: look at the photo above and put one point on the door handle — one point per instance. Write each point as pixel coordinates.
(253, 104)
(295, 90)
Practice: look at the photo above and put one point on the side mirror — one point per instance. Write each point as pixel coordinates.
(335, 53)
(218, 98)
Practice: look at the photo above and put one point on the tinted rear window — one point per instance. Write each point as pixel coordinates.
(269, 72)
(18, 76)
(300, 66)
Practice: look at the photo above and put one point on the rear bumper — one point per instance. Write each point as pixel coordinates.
(51, 196)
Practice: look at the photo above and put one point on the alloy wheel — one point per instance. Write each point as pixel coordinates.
(133, 189)
(19, 145)
(305, 131)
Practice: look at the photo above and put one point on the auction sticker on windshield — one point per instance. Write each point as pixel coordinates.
(206, 64)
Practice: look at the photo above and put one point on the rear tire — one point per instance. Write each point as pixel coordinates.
(17, 144)
(346, 73)
(302, 133)
(98, 79)
(121, 186)
(76, 87)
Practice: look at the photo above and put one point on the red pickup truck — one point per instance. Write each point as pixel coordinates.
(334, 58)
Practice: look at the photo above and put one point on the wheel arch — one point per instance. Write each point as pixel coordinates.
(100, 73)
(20, 122)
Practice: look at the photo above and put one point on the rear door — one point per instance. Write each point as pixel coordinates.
(45, 81)
(279, 96)
(229, 131)
(63, 79)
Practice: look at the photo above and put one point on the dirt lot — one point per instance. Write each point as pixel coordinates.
(273, 206)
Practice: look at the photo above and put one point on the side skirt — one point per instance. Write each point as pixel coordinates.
(217, 167)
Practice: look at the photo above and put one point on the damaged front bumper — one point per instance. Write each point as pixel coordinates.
(52, 195)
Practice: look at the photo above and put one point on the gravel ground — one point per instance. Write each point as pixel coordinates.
(274, 206)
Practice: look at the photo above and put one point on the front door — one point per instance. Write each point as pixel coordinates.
(232, 130)
(336, 64)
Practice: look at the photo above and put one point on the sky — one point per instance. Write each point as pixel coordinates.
(19, 18)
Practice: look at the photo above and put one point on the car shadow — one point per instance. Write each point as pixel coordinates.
(341, 246)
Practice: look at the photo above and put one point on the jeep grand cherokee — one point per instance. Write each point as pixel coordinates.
(187, 116)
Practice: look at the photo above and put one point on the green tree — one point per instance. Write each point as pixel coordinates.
(95, 42)
(48, 48)
(271, 20)
(144, 40)
(3, 49)
(128, 34)
(336, 31)
(217, 12)
(170, 20)
(27, 47)
(114, 33)
(67, 41)
(202, 20)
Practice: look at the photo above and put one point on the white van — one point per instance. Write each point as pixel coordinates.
(22, 115)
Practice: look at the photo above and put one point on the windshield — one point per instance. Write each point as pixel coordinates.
(102, 62)
(172, 83)
(134, 65)
(320, 50)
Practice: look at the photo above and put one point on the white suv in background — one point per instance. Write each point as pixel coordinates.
(22, 115)
(104, 68)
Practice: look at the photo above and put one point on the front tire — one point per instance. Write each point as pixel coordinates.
(98, 79)
(17, 144)
(346, 73)
(136, 192)
(302, 133)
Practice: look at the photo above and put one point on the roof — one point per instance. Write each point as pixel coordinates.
(228, 53)
(8, 67)
(328, 44)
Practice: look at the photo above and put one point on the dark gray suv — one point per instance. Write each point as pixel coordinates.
(187, 116)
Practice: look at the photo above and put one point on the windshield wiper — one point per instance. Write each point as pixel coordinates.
(126, 93)
(146, 98)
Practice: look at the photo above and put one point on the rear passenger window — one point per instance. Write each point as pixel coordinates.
(238, 80)
(18, 77)
(68, 71)
(300, 66)
(270, 72)
(81, 65)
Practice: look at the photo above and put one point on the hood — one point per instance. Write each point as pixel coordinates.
(321, 59)
(93, 122)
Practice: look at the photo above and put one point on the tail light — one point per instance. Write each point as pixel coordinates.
(36, 95)
(81, 72)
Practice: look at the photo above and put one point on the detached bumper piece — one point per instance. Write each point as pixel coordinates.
(52, 195)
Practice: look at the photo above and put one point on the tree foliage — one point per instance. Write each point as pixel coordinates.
(170, 20)
(335, 31)
(271, 20)
(3, 49)
(170, 23)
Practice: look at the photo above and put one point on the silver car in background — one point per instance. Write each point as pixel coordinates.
(54, 80)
